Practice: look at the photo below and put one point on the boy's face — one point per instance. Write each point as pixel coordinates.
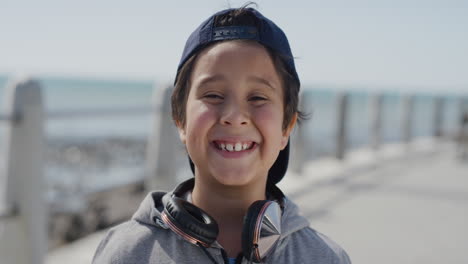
(233, 131)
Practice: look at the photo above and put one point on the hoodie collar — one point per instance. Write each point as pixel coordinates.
(149, 212)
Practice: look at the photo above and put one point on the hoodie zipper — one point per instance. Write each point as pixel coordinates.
(225, 257)
(239, 258)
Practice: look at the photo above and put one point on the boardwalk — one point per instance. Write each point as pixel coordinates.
(413, 209)
(410, 208)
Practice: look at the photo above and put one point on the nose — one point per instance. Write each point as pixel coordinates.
(234, 114)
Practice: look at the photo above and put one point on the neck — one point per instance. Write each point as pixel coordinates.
(228, 206)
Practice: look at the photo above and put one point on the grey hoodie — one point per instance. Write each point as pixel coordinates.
(146, 239)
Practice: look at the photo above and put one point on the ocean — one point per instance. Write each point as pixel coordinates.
(86, 154)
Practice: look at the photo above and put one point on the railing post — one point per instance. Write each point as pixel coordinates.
(341, 132)
(407, 118)
(23, 229)
(162, 143)
(376, 121)
(438, 117)
(298, 143)
(462, 114)
(462, 111)
(462, 130)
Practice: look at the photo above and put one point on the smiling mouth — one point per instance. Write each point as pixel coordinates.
(234, 146)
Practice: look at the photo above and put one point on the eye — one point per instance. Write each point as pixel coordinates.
(257, 98)
(213, 98)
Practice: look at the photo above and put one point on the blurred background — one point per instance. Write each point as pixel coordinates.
(117, 54)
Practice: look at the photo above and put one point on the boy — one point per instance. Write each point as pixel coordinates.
(235, 105)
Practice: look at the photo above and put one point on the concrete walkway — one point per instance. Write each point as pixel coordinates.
(389, 208)
(413, 209)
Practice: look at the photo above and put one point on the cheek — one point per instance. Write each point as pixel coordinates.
(198, 118)
(270, 120)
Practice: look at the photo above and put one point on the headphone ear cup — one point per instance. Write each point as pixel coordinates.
(191, 221)
(248, 231)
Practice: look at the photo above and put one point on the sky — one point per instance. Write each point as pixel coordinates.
(401, 44)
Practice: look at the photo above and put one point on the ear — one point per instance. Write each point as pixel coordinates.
(181, 130)
(287, 131)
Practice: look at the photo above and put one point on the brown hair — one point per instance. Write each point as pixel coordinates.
(240, 16)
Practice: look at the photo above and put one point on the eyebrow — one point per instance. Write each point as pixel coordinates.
(261, 80)
(211, 78)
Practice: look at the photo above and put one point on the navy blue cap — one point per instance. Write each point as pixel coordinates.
(264, 32)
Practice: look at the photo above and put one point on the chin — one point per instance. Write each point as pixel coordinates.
(236, 178)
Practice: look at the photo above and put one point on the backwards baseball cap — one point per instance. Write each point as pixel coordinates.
(265, 32)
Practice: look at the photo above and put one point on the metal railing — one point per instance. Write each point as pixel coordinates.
(23, 209)
(87, 113)
(10, 118)
(100, 112)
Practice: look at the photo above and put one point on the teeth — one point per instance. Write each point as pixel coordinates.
(238, 146)
(233, 146)
(229, 147)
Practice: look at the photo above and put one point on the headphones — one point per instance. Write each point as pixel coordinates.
(261, 229)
